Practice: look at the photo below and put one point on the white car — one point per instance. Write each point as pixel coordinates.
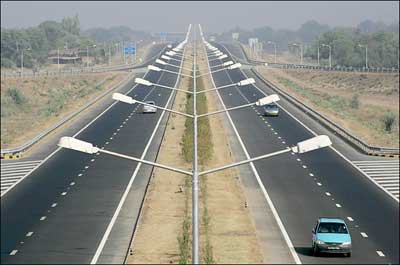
(149, 109)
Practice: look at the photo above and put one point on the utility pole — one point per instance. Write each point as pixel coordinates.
(318, 52)
(58, 59)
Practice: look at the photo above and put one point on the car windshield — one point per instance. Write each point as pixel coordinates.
(271, 106)
(332, 228)
(150, 102)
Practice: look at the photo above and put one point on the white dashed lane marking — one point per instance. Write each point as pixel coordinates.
(384, 172)
(380, 253)
(11, 172)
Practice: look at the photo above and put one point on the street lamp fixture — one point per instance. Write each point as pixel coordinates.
(330, 53)
(273, 43)
(301, 50)
(176, 66)
(145, 82)
(366, 54)
(244, 82)
(220, 58)
(158, 69)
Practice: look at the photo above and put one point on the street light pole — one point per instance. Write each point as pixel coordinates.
(274, 43)
(301, 51)
(58, 59)
(195, 185)
(22, 62)
(330, 53)
(318, 52)
(366, 53)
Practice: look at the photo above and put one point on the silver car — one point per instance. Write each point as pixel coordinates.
(271, 110)
(149, 109)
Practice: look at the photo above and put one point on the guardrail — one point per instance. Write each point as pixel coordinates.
(334, 127)
(79, 71)
(16, 152)
(10, 152)
(392, 70)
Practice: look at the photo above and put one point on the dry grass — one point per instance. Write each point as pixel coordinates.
(333, 94)
(31, 105)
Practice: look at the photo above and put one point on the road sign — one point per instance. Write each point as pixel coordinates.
(130, 50)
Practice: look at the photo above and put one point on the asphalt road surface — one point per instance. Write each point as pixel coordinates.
(60, 212)
(304, 187)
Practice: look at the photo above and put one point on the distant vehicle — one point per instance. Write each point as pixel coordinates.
(271, 110)
(149, 109)
(331, 235)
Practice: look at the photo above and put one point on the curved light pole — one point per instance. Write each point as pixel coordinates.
(366, 53)
(274, 43)
(301, 50)
(330, 53)
(22, 60)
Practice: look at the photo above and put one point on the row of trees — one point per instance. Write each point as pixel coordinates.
(350, 48)
(382, 41)
(36, 42)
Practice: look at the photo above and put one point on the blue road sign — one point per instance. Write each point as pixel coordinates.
(129, 50)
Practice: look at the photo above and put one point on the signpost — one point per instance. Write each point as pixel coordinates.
(130, 50)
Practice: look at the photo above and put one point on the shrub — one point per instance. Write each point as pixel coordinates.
(16, 95)
(388, 120)
(354, 102)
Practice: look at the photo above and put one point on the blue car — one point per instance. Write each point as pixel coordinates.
(331, 235)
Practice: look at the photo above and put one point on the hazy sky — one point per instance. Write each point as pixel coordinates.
(215, 16)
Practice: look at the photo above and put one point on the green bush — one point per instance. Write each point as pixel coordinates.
(388, 119)
(354, 102)
(16, 96)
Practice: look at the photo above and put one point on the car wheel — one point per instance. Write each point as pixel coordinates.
(348, 255)
(315, 251)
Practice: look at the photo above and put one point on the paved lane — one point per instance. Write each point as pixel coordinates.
(385, 173)
(60, 212)
(320, 183)
(13, 171)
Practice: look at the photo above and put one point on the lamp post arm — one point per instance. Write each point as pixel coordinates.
(172, 72)
(162, 108)
(147, 162)
(213, 170)
(212, 72)
(225, 110)
(216, 88)
(172, 88)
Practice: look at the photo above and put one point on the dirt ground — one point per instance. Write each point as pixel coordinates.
(377, 94)
(233, 239)
(29, 106)
(163, 212)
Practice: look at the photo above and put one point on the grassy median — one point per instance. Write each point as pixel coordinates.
(205, 153)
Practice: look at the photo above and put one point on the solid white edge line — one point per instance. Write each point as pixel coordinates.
(269, 201)
(340, 154)
(58, 149)
(128, 187)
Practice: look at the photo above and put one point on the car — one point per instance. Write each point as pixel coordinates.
(149, 109)
(271, 110)
(331, 235)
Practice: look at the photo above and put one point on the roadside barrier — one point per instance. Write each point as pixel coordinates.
(11, 156)
(331, 125)
(14, 153)
(386, 70)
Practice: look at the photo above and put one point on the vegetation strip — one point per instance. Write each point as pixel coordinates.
(205, 152)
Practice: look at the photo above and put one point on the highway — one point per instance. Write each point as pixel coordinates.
(61, 211)
(307, 186)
